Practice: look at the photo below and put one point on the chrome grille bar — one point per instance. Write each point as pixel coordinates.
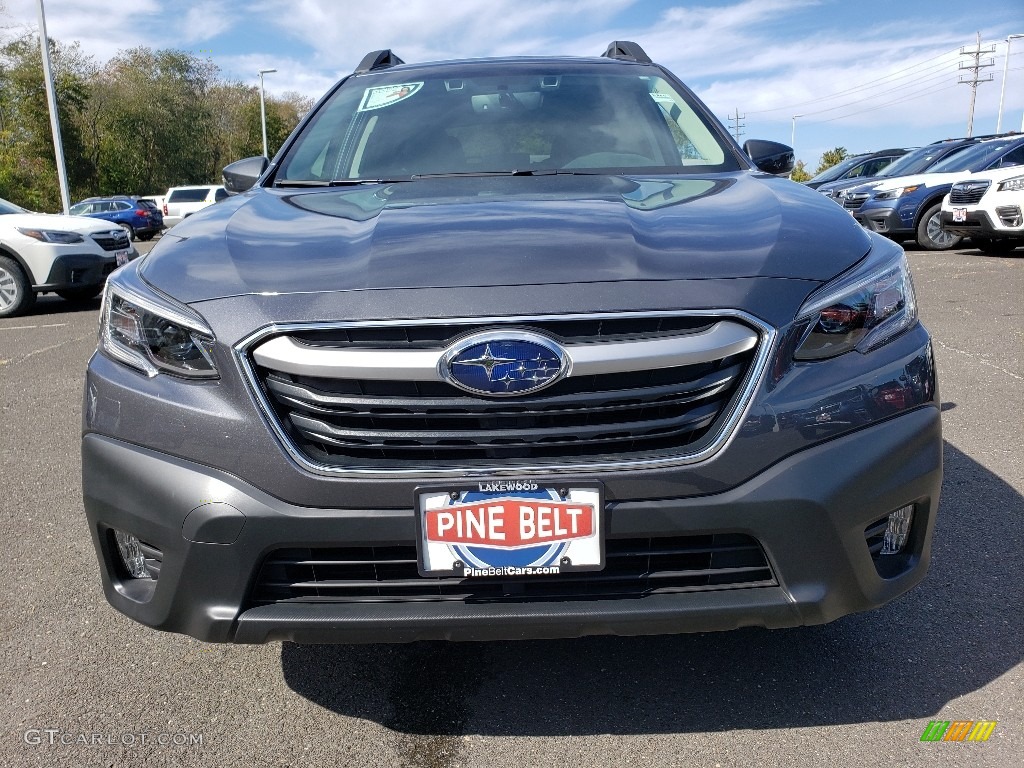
(723, 339)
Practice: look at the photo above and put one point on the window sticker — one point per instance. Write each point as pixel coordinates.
(385, 96)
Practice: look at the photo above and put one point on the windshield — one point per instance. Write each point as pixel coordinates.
(917, 161)
(488, 118)
(976, 158)
(834, 172)
(6, 207)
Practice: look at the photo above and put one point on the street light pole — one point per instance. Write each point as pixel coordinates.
(51, 99)
(792, 140)
(1002, 88)
(263, 110)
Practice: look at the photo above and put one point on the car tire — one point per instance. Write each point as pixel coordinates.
(930, 233)
(16, 295)
(80, 294)
(995, 246)
(147, 237)
(130, 230)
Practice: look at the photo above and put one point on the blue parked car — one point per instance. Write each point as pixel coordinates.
(138, 216)
(908, 207)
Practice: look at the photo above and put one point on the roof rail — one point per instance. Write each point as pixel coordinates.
(626, 51)
(378, 60)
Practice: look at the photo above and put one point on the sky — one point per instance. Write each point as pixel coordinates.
(860, 75)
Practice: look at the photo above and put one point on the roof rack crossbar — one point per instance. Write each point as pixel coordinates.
(378, 60)
(626, 51)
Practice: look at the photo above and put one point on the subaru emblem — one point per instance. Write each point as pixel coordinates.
(504, 363)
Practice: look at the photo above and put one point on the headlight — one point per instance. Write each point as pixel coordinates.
(50, 236)
(154, 335)
(892, 194)
(1016, 184)
(860, 310)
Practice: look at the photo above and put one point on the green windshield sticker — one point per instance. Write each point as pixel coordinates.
(385, 96)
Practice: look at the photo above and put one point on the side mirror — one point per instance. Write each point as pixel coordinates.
(770, 156)
(243, 174)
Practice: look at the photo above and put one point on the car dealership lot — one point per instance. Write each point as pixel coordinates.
(86, 686)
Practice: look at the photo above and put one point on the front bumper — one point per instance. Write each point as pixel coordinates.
(978, 223)
(884, 221)
(809, 512)
(78, 271)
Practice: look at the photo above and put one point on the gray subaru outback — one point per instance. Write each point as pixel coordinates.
(510, 348)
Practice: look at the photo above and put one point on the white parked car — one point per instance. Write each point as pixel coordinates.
(182, 202)
(45, 253)
(988, 208)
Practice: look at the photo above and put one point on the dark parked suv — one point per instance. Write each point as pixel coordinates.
(866, 165)
(510, 348)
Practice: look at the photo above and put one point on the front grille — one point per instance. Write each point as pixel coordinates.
(377, 423)
(634, 568)
(968, 193)
(853, 201)
(116, 240)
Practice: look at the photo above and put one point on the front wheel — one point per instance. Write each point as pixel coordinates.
(16, 295)
(931, 235)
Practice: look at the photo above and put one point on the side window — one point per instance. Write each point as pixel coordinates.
(220, 195)
(694, 143)
(122, 206)
(1016, 157)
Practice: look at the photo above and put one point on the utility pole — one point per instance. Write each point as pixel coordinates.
(737, 125)
(975, 76)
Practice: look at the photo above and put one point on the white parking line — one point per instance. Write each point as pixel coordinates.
(31, 327)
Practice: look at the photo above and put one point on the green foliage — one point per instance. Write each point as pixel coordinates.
(830, 158)
(28, 167)
(800, 172)
(145, 121)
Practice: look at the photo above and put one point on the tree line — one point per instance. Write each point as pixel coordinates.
(143, 121)
(831, 157)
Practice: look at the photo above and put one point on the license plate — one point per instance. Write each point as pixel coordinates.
(959, 215)
(510, 528)
(121, 257)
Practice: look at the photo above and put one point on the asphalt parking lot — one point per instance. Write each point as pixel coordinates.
(84, 686)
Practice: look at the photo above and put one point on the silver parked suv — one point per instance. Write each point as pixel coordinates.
(511, 348)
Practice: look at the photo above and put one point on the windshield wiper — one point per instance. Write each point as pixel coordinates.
(334, 182)
(514, 172)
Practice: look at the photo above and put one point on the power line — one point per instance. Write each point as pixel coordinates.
(915, 84)
(892, 75)
(888, 104)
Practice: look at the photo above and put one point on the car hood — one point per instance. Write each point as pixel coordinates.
(995, 174)
(926, 179)
(506, 231)
(57, 222)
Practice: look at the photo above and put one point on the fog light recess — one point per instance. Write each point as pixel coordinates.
(132, 555)
(897, 530)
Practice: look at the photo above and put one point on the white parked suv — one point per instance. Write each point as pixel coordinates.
(988, 208)
(67, 255)
(182, 202)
